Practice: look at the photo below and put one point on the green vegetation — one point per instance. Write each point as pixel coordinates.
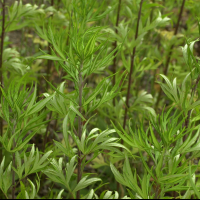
(99, 99)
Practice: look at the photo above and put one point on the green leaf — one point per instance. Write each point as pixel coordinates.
(59, 194)
(62, 148)
(55, 45)
(155, 141)
(77, 112)
(49, 57)
(27, 139)
(160, 164)
(193, 183)
(94, 94)
(117, 175)
(60, 93)
(33, 190)
(38, 106)
(5, 177)
(89, 195)
(70, 169)
(146, 166)
(84, 183)
(9, 145)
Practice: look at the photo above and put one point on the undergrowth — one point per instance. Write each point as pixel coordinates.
(99, 99)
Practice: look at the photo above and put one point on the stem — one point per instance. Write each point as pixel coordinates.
(119, 186)
(68, 37)
(70, 21)
(189, 112)
(131, 70)
(152, 11)
(170, 52)
(49, 62)
(48, 67)
(56, 123)
(3, 194)
(1, 67)
(47, 130)
(157, 192)
(13, 172)
(80, 126)
(115, 46)
(13, 179)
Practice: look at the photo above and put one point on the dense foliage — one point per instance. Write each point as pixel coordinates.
(99, 99)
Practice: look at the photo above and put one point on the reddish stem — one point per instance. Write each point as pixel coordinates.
(80, 126)
(115, 46)
(132, 65)
(1, 65)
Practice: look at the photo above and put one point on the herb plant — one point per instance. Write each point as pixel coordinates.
(100, 99)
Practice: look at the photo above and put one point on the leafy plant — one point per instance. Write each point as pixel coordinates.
(82, 112)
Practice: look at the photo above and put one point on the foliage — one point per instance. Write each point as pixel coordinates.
(70, 128)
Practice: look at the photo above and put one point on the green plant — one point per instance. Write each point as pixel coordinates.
(171, 141)
(78, 68)
(80, 99)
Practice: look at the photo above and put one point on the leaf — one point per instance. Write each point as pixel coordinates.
(13, 62)
(33, 190)
(60, 93)
(155, 141)
(9, 145)
(65, 132)
(41, 163)
(49, 57)
(32, 164)
(160, 164)
(83, 183)
(146, 166)
(55, 45)
(192, 183)
(62, 148)
(38, 106)
(94, 94)
(89, 195)
(26, 140)
(70, 169)
(59, 194)
(5, 177)
(117, 175)
(127, 168)
(77, 112)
